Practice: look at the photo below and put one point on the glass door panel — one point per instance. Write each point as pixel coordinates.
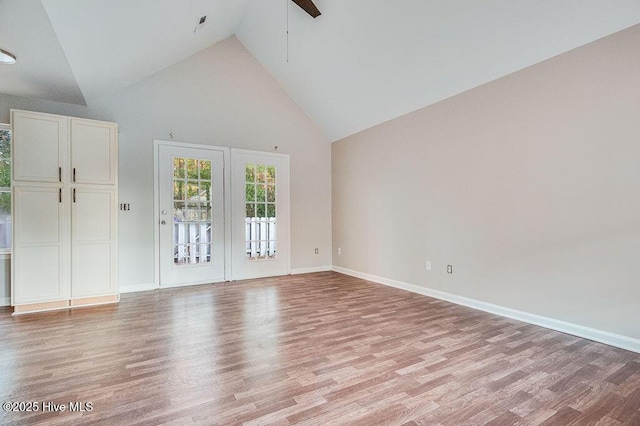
(260, 211)
(191, 215)
(192, 224)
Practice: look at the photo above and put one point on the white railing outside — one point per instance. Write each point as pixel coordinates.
(192, 240)
(260, 237)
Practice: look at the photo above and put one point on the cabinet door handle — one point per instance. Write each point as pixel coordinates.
(59, 174)
(74, 195)
(59, 195)
(74, 174)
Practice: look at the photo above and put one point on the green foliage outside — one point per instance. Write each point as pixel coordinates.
(191, 168)
(260, 190)
(196, 186)
(191, 189)
(191, 186)
(5, 171)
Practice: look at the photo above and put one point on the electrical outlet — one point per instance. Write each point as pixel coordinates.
(428, 265)
(317, 251)
(449, 269)
(339, 250)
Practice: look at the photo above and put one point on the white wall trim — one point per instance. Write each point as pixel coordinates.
(605, 337)
(298, 271)
(138, 287)
(5, 301)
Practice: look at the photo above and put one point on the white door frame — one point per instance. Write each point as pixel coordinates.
(156, 203)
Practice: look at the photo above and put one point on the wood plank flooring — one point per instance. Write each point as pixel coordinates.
(315, 349)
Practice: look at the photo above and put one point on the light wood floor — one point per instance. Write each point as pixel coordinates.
(319, 349)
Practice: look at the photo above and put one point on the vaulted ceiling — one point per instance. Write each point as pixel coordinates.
(362, 62)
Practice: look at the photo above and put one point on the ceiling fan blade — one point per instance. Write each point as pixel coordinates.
(309, 7)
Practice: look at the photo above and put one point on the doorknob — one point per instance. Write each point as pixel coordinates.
(163, 222)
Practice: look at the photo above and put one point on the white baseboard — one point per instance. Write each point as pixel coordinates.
(5, 301)
(311, 270)
(138, 287)
(617, 340)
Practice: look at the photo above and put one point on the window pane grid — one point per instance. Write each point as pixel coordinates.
(192, 211)
(260, 212)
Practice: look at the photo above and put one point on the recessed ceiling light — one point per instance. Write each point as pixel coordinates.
(7, 57)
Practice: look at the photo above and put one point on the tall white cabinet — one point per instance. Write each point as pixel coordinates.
(65, 180)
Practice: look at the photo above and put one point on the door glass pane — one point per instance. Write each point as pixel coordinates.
(250, 173)
(250, 192)
(205, 192)
(271, 250)
(261, 195)
(271, 174)
(205, 170)
(260, 218)
(192, 168)
(205, 212)
(179, 167)
(192, 211)
(179, 212)
(271, 193)
(261, 173)
(192, 192)
(178, 190)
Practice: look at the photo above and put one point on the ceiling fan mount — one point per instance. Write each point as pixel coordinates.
(309, 7)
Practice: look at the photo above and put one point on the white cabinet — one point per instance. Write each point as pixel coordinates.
(93, 242)
(94, 152)
(64, 211)
(42, 147)
(40, 246)
(58, 149)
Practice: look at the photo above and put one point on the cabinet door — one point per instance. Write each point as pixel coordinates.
(94, 152)
(93, 242)
(39, 146)
(39, 251)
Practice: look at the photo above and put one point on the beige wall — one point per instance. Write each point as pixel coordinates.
(220, 96)
(529, 186)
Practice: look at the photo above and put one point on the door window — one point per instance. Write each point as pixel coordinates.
(192, 221)
(261, 221)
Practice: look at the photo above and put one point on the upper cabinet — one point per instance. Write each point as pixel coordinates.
(44, 134)
(69, 150)
(93, 152)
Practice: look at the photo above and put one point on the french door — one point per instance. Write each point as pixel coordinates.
(191, 215)
(222, 214)
(260, 211)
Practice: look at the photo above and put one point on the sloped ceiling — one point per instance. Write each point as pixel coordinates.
(111, 44)
(362, 62)
(365, 62)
